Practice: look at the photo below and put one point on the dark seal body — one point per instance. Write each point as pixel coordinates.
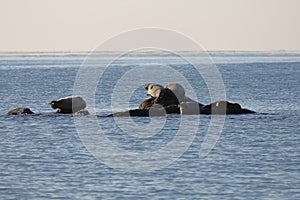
(20, 111)
(66, 105)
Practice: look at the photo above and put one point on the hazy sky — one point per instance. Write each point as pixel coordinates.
(72, 25)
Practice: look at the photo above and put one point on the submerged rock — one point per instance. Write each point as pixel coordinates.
(155, 110)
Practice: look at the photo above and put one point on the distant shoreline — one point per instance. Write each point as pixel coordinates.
(210, 52)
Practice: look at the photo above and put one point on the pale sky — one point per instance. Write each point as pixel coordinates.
(82, 25)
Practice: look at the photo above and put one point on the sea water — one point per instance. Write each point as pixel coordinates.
(256, 156)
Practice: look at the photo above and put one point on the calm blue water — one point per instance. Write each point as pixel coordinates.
(256, 157)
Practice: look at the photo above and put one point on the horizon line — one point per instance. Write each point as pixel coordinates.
(89, 51)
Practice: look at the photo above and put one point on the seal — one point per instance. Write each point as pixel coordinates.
(20, 111)
(162, 96)
(67, 105)
(178, 90)
(147, 103)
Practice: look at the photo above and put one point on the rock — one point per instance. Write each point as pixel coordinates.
(171, 99)
(224, 107)
(190, 108)
(155, 110)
